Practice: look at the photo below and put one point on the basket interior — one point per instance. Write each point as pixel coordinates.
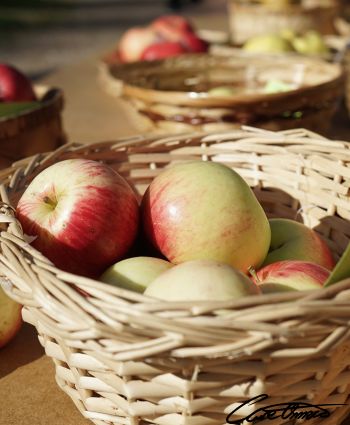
(247, 75)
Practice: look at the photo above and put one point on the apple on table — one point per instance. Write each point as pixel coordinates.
(10, 318)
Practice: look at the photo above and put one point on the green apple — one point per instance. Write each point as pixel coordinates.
(291, 240)
(222, 91)
(135, 273)
(311, 43)
(267, 43)
(201, 280)
(205, 211)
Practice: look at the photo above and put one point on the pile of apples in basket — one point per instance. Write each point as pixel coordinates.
(198, 233)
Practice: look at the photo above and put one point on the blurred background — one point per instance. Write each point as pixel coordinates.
(40, 35)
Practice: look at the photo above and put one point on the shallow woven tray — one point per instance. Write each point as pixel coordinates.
(33, 131)
(165, 103)
(124, 358)
(247, 19)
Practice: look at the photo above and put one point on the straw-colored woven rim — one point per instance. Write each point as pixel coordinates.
(124, 358)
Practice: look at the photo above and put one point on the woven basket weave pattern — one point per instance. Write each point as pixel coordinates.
(124, 358)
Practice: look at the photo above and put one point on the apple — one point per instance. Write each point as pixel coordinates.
(162, 50)
(83, 214)
(267, 43)
(135, 273)
(193, 43)
(296, 275)
(201, 280)
(14, 85)
(205, 210)
(311, 43)
(134, 41)
(10, 318)
(291, 240)
(172, 27)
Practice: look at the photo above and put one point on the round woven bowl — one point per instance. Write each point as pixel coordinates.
(125, 358)
(171, 95)
(33, 131)
(248, 19)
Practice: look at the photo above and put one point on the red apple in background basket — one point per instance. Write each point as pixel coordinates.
(167, 36)
(10, 318)
(205, 210)
(84, 214)
(291, 275)
(291, 240)
(163, 50)
(134, 41)
(172, 27)
(14, 85)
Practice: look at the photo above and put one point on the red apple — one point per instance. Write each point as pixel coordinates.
(172, 27)
(291, 240)
(84, 214)
(10, 318)
(135, 41)
(297, 275)
(14, 86)
(162, 50)
(193, 43)
(205, 211)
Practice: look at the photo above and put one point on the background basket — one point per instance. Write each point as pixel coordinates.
(33, 131)
(170, 95)
(248, 18)
(124, 358)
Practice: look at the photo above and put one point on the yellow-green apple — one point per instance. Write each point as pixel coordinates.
(295, 275)
(14, 85)
(134, 41)
(10, 318)
(205, 210)
(83, 214)
(162, 50)
(201, 280)
(291, 240)
(267, 43)
(135, 273)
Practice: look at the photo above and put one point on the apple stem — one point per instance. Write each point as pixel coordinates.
(253, 273)
(49, 201)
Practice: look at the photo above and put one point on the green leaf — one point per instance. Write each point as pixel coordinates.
(11, 109)
(341, 270)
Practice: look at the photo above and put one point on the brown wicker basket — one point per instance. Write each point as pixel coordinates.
(125, 358)
(33, 131)
(171, 95)
(249, 18)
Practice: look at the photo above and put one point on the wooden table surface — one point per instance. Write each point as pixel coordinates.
(28, 392)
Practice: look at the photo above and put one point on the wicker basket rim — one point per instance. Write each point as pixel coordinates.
(123, 86)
